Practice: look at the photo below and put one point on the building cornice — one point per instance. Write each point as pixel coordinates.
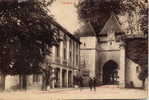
(87, 48)
(100, 50)
(109, 50)
(65, 31)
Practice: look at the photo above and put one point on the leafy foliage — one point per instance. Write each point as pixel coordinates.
(143, 74)
(26, 33)
(97, 11)
(144, 20)
(93, 8)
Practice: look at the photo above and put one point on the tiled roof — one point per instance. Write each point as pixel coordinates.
(95, 27)
(85, 31)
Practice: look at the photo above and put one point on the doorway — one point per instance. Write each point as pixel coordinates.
(110, 72)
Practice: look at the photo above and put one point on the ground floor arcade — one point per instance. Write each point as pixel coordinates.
(60, 77)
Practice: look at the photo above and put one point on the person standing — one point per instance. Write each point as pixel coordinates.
(94, 83)
(90, 83)
(80, 83)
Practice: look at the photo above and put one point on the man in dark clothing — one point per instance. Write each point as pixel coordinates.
(80, 82)
(90, 83)
(94, 83)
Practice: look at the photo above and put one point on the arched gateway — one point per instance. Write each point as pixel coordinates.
(110, 73)
(103, 52)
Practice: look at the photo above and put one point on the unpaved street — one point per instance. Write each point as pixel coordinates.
(103, 92)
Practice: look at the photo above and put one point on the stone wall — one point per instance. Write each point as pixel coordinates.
(104, 57)
(132, 72)
(14, 82)
(88, 56)
(88, 53)
(11, 82)
(88, 42)
(106, 51)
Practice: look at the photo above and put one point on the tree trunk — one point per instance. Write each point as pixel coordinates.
(2, 81)
(143, 84)
(44, 82)
(23, 82)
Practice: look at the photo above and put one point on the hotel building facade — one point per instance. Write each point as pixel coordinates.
(65, 59)
(63, 63)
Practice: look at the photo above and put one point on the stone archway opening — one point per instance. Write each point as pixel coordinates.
(110, 73)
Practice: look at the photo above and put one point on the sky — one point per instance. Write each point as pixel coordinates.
(65, 14)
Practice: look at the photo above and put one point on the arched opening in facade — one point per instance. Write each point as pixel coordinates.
(110, 73)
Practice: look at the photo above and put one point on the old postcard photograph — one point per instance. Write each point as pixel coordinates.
(73, 49)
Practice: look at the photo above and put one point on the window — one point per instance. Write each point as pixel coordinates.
(70, 50)
(84, 44)
(74, 52)
(58, 50)
(78, 48)
(65, 46)
(70, 45)
(77, 60)
(70, 56)
(77, 54)
(64, 53)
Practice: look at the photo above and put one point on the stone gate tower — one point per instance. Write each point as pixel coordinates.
(104, 54)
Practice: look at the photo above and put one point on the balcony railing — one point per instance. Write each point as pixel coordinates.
(57, 60)
(65, 62)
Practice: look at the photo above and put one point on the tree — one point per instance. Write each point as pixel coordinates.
(143, 75)
(97, 11)
(144, 20)
(26, 33)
